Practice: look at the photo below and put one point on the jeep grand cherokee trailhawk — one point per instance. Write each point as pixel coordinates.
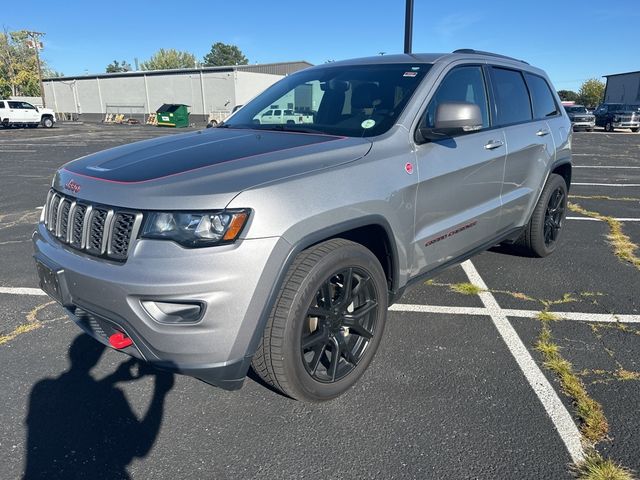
(282, 245)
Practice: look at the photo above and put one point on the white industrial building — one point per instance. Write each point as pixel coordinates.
(136, 94)
(623, 88)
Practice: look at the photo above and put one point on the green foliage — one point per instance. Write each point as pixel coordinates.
(168, 59)
(222, 54)
(18, 66)
(115, 67)
(568, 96)
(591, 92)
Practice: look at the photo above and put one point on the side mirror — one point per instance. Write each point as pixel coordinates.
(453, 118)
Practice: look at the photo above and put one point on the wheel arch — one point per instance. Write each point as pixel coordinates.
(372, 231)
(564, 169)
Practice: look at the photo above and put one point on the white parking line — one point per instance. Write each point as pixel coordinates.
(598, 220)
(606, 184)
(482, 311)
(560, 416)
(607, 155)
(602, 166)
(22, 291)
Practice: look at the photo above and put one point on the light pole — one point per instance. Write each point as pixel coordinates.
(36, 44)
(408, 26)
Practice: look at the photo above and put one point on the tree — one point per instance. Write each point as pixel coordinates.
(115, 67)
(591, 92)
(568, 95)
(170, 58)
(222, 54)
(18, 66)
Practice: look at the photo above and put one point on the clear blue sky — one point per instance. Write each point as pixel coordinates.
(572, 41)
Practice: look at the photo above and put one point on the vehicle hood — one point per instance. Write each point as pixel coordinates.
(200, 170)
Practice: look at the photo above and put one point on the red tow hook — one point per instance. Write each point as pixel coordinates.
(120, 340)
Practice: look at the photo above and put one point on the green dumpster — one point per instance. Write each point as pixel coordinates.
(173, 115)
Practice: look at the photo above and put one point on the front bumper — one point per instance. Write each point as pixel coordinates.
(232, 283)
(626, 124)
(584, 124)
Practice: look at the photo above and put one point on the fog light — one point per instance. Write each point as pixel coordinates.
(173, 313)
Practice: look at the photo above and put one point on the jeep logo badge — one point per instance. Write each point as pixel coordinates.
(72, 186)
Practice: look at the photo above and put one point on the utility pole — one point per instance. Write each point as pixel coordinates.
(36, 44)
(408, 26)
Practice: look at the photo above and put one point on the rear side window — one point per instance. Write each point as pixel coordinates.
(462, 84)
(1, 104)
(512, 97)
(541, 97)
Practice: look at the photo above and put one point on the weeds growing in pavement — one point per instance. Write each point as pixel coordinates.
(595, 467)
(623, 247)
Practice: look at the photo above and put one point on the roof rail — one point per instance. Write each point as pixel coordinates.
(491, 54)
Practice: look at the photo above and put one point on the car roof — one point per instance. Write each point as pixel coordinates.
(430, 58)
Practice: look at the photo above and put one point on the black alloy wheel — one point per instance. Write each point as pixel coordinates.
(554, 216)
(541, 235)
(339, 324)
(327, 322)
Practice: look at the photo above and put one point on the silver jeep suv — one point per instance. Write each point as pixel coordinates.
(281, 245)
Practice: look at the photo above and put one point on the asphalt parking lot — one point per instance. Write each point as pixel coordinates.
(457, 389)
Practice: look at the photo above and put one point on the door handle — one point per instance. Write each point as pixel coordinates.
(494, 144)
(542, 132)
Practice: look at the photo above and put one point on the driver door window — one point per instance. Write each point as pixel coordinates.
(462, 84)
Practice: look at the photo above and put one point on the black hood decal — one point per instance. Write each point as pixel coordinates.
(166, 156)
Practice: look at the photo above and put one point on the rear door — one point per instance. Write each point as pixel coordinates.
(458, 198)
(530, 146)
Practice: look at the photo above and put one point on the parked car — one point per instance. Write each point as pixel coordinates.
(282, 245)
(617, 115)
(278, 116)
(580, 117)
(23, 114)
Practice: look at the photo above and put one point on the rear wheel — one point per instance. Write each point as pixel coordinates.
(326, 324)
(540, 237)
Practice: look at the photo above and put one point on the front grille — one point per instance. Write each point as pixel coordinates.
(98, 230)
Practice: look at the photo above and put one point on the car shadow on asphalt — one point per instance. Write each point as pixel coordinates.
(80, 427)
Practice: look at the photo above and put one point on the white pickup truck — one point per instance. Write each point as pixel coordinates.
(18, 113)
(281, 117)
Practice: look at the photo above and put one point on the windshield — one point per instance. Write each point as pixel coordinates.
(576, 109)
(351, 100)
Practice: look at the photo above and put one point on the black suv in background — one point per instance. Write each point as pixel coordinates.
(617, 115)
(580, 117)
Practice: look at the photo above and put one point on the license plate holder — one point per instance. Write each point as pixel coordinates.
(52, 281)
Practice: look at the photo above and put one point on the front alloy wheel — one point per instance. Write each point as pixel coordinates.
(327, 322)
(339, 325)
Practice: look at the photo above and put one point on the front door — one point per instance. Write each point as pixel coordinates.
(458, 200)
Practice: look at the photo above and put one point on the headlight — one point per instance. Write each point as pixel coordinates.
(202, 229)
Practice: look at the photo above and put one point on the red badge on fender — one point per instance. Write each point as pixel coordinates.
(408, 167)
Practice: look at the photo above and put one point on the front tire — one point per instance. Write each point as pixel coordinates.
(47, 122)
(608, 127)
(326, 324)
(635, 130)
(540, 237)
